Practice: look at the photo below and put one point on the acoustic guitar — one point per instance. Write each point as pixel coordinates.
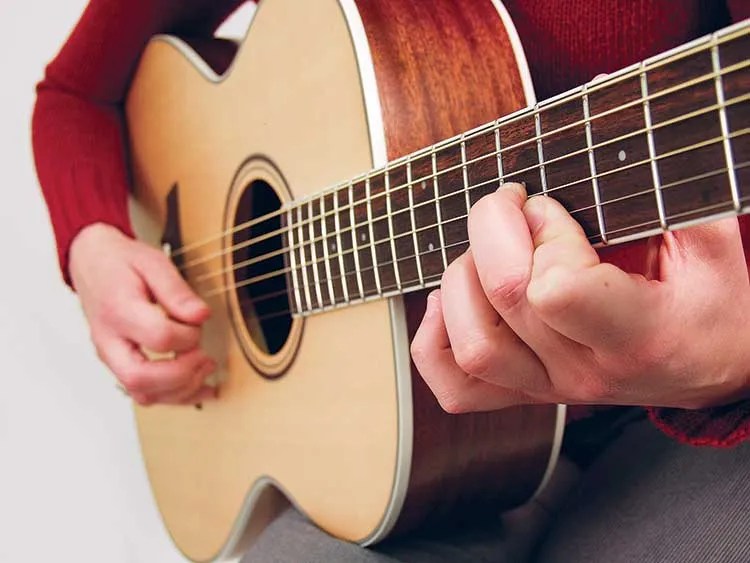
(314, 189)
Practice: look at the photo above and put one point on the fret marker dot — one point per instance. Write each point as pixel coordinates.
(333, 247)
(424, 184)
(363, 237)
(621, 156)
(430, 247)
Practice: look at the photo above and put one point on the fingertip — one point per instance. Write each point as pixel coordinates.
(515, 189)
(193, 310)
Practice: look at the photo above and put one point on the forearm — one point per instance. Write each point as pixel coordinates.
(78, 128)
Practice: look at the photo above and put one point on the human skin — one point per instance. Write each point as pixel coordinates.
(135, 300)
(530, 314)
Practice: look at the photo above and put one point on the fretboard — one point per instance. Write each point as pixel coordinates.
(657, 146)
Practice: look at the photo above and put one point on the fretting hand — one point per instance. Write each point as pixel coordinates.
(530, 314)
(134, 300)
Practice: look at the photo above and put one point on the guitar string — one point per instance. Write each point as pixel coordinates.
(487, 128)
(433, 201)
(706, 45)
(370, 242)
(342, 187)
(427, 282)
(340, 275)
(672, 186)
(367, 247)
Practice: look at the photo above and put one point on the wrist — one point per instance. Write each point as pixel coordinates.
(90, 240)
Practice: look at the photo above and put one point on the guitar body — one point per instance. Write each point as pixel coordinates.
(333, 418)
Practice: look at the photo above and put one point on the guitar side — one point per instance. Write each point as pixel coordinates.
(349, 433)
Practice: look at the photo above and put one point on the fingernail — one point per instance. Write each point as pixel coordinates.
(518, 189)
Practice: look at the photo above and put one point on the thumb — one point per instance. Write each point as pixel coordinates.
(169, 289)
(713, 247)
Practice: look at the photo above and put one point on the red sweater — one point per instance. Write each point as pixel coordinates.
(78, 126)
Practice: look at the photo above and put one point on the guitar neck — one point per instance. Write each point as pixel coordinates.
(657, 146)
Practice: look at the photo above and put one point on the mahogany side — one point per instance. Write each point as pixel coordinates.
(443, 67)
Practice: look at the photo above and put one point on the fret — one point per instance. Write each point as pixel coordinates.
(499, 150)
(424, 207)
(293, 261)
(303, 260)
(540, 150)
(729, 158)
(391, 236)
(350, 254)
(324, 245)
(361, 231)
(380, 231)
(436, 190)
(340, 247)
(311, 220)
(451, 209)
(372, 240)
(592, 169)
(652, 151)
(736, 85)
(521, 152)
(355, 247)
(481, 164)
(465, 175)
(685, 115)
(621, 158)
(399, 213)
(420, 276)
(562, 128)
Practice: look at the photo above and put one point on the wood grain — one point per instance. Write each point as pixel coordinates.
(444, 67)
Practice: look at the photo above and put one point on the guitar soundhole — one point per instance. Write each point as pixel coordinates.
(259, 266)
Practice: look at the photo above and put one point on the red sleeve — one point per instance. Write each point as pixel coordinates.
(739, 9)
(77, 126)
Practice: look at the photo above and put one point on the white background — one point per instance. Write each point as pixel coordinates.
(72, 483)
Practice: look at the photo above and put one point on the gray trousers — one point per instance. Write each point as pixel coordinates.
(644, 498)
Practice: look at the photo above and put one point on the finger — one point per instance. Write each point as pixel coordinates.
(597, 305)
(483, 345)
(714, 249)
(170, 290)
(455, 390)
(557, 238)
(146, 324)
(139, 375)
(196, 383)
(502, 249)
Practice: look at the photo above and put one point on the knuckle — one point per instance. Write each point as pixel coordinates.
(452, 402)
(419, 351)
(109, 312)
(591, 390)
(133, 379)
(508, 291)
(475, 355)
(160, 338)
